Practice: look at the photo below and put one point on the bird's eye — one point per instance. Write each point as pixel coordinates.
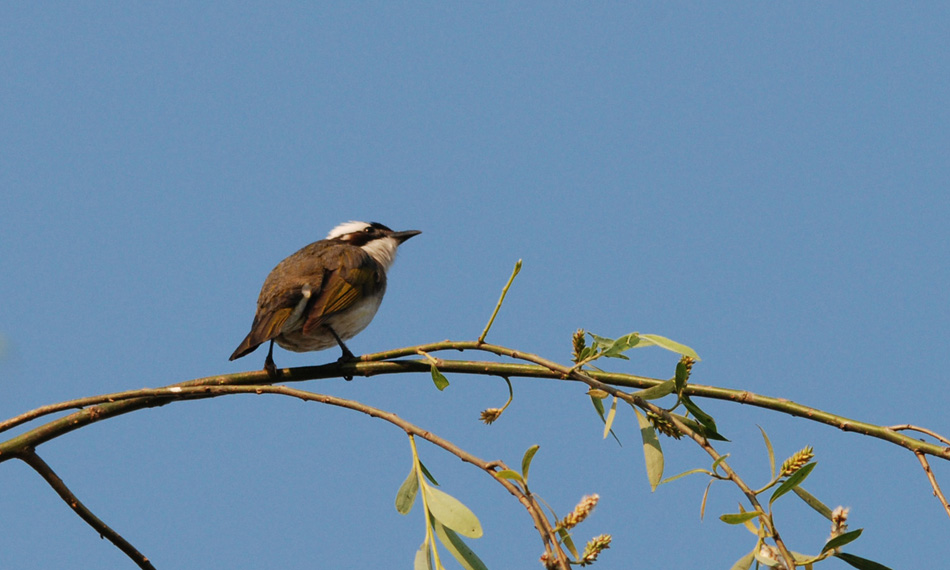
(369, 230)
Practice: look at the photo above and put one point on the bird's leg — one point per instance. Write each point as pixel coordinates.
(347, 355)
(269, 365)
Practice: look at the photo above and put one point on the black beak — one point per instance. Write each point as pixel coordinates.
(403, 236)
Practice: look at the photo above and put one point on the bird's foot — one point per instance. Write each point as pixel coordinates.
(347, 357)
(270, 367)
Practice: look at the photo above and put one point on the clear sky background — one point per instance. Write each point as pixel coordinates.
(765, 183)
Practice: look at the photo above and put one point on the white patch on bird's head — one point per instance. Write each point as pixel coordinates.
(347, 228)
(373, 238)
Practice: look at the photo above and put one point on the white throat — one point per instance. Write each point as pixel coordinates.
(383, 251)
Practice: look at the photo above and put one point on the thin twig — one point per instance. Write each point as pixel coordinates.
(46, 472)
(500, 301)
(933, 482)
(931, 433)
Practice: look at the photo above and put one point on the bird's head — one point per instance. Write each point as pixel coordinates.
(376, 239)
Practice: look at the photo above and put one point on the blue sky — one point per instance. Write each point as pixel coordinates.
(765, 183)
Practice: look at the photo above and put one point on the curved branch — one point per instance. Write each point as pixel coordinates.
(101, 407)
(127, 401)
(46, 472)
(933, 482)
(382, 363)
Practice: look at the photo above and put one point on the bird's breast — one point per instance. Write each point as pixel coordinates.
(346, 324)
(349, 323)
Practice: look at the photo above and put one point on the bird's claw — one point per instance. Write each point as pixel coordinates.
(270, 367)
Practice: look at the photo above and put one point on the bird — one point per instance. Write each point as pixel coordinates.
(325, 293)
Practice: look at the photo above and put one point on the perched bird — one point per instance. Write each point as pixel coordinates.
(325, 293)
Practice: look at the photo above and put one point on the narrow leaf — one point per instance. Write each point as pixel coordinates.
(793, 481)
(622, 344)
(718, 460)
(745, 562)
(440, 381)
(861, 563)
(749, 525)
(841, 540)
(567, 541)
(681, 376)
(597, 393)
(813, 502)
(406, 495)
(651, 450)
(427, 474)
(738, 518)
(452, 513)
(454, 544)
(423, 558)
(601, 341)
(658, 391)
(599, 406)
(510, 474)
(768, 446)
(671, 345)
(610, 417)
(527, 459)
(702, 507)
(702, 417)
(699, 428)
(684, 474)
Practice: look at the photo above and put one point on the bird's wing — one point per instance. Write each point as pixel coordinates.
(269, 320)
(351, 275)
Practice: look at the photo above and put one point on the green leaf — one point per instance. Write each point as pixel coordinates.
(427, 474)
(586, 353)
(670, 345)
(702, 505)
(567, 541)
(718, 460)
(699, 428)
(440, 381)
(406, 495)
(841, 540)
(768, 446)
(452, 513)
(702, 417)
(600, 341)
(423, 558)
(610, 417)
(684, 474)
(465, 556)
(651, 450)
(597, 393)
(527, 459)
(658, 391)
(599, 406)
(621, 345)
(745, 562)
(813, 502)
(510, 474)
(681, 376)
(793, 481)
(861, 563)
(738, 518)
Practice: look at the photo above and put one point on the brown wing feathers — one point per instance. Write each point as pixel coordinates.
(338, 277)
